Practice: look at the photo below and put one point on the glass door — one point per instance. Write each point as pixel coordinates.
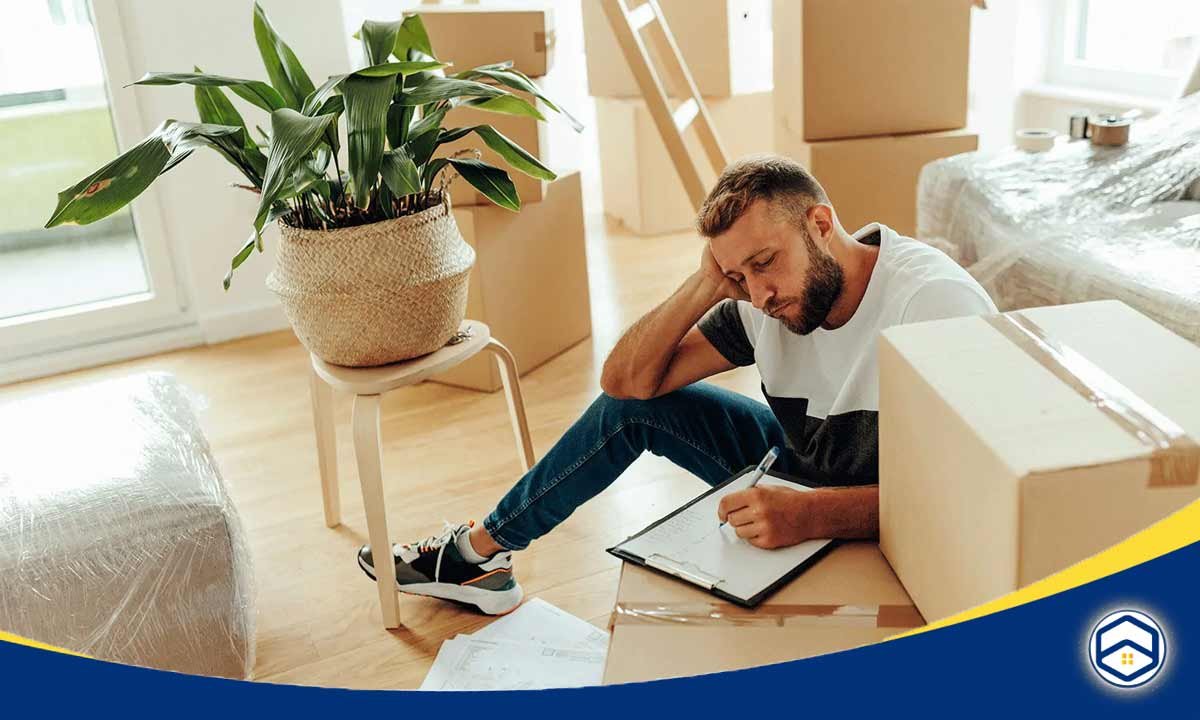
(62, 64)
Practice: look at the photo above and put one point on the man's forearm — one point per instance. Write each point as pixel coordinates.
(640, 358)
(844, 512)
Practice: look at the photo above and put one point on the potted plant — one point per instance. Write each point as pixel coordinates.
(371, 267)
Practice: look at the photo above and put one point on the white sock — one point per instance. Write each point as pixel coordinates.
(463, 542)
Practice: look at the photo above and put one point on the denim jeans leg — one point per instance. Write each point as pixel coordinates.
(707, 430)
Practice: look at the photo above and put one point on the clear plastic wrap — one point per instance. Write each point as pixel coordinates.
(117, 536)
(1079, 222)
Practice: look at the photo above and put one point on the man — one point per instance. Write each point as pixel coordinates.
(780, 284)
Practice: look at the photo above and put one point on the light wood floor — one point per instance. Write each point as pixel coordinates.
(448, 454)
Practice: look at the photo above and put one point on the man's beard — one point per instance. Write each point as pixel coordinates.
(821, 290)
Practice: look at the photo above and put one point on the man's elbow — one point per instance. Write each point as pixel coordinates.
(621, 388)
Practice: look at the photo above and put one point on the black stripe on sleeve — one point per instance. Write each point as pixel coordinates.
(722, 326)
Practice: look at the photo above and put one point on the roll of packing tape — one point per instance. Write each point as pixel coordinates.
(1109, 129)
(1035, 139)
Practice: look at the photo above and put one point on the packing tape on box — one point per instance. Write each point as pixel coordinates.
(726, 614)
(1174, 457)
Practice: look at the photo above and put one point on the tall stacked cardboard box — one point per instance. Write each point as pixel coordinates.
(530, 282)
(867, 93)
(726, 45)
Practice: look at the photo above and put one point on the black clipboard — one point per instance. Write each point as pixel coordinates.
(691, 579)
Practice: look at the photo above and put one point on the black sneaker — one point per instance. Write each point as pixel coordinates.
(436, 568)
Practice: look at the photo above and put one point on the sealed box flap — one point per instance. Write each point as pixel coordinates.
(1033, 420)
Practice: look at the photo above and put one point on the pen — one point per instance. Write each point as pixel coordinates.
(765, 465)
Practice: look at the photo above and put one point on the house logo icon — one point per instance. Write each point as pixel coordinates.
(1127, 648)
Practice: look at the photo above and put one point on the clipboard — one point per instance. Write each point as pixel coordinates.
(711, 579)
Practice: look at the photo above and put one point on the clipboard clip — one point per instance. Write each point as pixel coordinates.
(683, 571)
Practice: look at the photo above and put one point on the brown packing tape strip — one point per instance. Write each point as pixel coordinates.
(543, 41)
(1174, 457)
(727, 615)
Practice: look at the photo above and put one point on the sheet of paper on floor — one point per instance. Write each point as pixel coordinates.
(535, 647)
(465, 663)
(541, 623)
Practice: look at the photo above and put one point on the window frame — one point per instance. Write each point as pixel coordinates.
(163, 306)
(1063, 69)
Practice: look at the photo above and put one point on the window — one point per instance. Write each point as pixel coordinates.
(1141, 49)
(70, 286)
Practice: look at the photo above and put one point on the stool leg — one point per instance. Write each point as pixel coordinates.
(516, 405)
(368, 451)
(322, 405)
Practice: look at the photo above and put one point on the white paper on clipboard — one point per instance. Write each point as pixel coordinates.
(692, 546)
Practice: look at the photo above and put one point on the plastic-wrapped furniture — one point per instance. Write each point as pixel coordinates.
(117, 536)
(1079, 222)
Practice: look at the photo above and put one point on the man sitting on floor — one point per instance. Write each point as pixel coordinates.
(781, 284)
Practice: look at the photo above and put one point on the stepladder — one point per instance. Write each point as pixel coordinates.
(642, 33)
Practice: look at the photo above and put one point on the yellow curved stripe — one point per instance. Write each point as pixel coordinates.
(18, 640)
(1171, 533)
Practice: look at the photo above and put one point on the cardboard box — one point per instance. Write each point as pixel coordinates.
(554, 142)
(641, 187)
(875, 179)
(473, 35)
(996, 472)
(663, 627)
(870, 67)
(726, 45)
(529, 283)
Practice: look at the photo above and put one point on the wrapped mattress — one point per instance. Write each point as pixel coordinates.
(1079, 222)
(117, 536)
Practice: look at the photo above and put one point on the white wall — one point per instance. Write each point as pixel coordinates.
(206, 220)
(1007, 55)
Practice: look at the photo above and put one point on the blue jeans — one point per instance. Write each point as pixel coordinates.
(706, 430)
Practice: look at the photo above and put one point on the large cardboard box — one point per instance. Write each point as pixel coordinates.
(472, 35)
(875, 179)
(555, 142)
(529, 283)
(663, 628)
(996, 471)
(870, 67)
(726, 45)
(641, 187)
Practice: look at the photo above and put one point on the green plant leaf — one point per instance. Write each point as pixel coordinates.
(293, 137)
(423, 136)
(277, 211)
(367, 100)
(113, 186)
(412, 35)
(318, 96)
(513, 154)
(433, 88)
(493, 182)
(400, 173)
(255, 92)
(216, 109)
(505, 75)
(378, 39)
(283, 68)
(506, 105)
(399, 119)
(181, 138)
(405, 67)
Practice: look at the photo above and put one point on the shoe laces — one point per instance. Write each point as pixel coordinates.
(437, 542)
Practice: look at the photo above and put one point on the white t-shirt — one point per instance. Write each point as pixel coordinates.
(824, 387)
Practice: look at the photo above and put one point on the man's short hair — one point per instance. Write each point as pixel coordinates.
(781, 181)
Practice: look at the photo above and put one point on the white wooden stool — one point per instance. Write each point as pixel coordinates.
(368, 386)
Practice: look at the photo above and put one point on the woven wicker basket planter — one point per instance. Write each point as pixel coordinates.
(375, 294)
